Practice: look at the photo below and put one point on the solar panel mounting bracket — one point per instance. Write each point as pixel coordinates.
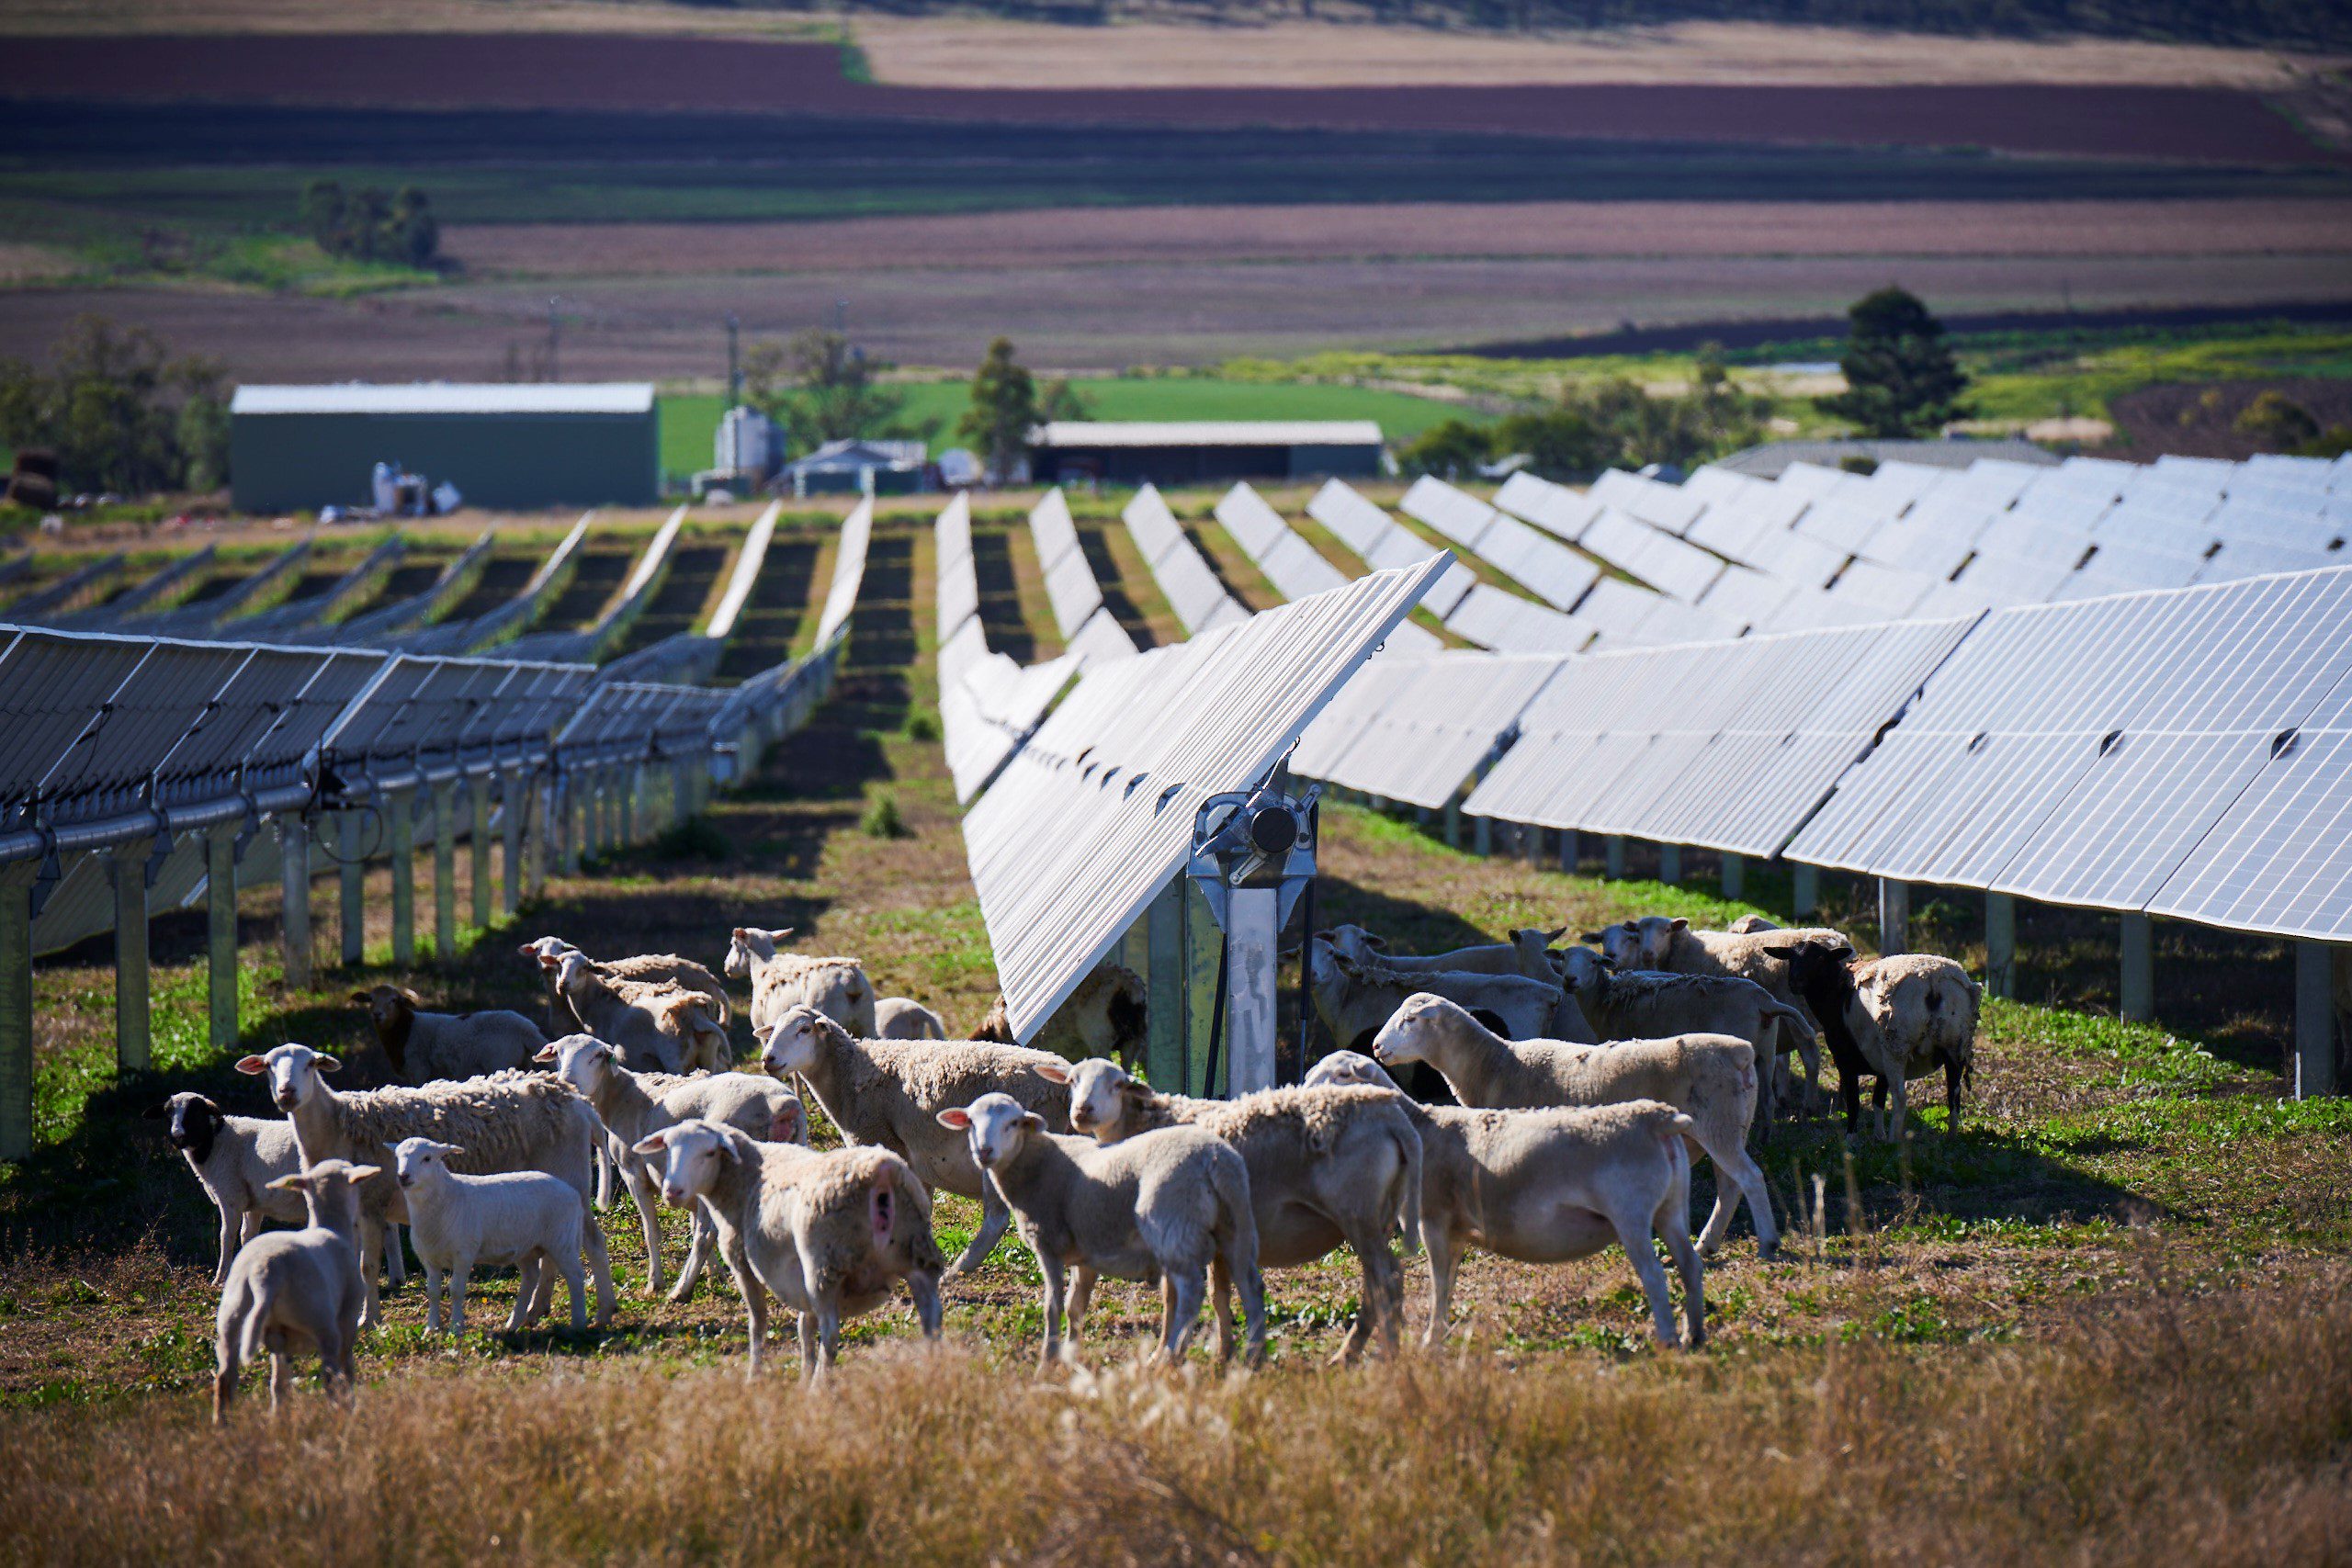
(1253, 855)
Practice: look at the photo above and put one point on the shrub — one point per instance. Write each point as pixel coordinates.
(882, 819)
(696, 838)
(924, 725)
(2276, 419)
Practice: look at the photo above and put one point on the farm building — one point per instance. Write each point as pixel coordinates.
(508, 445)
(1204, 451)
(851, 467)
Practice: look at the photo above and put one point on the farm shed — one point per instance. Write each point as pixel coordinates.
(855, 467)
(1188, 451)
(592, 444)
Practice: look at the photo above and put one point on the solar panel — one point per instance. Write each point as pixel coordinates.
(1671, 620)
(1554, 508)
(1050, 525)
(1748, 598)
(1090, 821)
(1793, 558)
(2025, 538)
(1919, 547)
(1297, 568)
(1615, 606)
(1073, 593)
(1154, 527)
(1388, 544)
(1494, 619)
(1538, 562)
(849, 573)
(1839, 523)
(2006, 579)
(2241, 558)
(1462, 519)
(1809, 480)
(1184, 575)
(1101, 639)
(1415, 729)
(1653, 502)
(1887, 591)
(1256, 526)
(1738, 525)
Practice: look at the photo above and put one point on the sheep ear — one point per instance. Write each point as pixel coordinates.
(1589, 936)
(955, 1117)
(1680, 924)
(328, 1064)
(1784, 950)
(359, 1173)
(251, 1066)
(361, 997)
(289, 1183)
(1033, 1122)
(546, 1054)
(1554, 934)
(1053, 1072)
(652, 1144)
(410, 997)
(157, 1112)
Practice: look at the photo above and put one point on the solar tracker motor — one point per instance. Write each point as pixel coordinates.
(1253, 855)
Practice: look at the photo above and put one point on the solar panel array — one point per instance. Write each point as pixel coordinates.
(849, 573)
(1296, 568)
(1386, 544)
(1186, 579)
(988, 703)
(1413, 729)
(1090, 821)
(587, 644)
(1088, 630)
(510, 619)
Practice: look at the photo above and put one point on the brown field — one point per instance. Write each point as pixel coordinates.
(1086, 236)
(624, 72)
(1109, 317)
(2201, 421)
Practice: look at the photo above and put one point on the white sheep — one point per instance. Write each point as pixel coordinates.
(505, 1121)
(1709, 1077)
(829, 1234)
(425, 1046)
(889, 1092)
(1484, 958)
(903, 1018)
(1327, 1168)
(524, 1218)
(1898, 1018)
(1158, 1207)
(836, 987)
(238, 1161)
(1355, 999)
(633, 1106)
(643, 980)
(1548, 1187)
(1106, 1015)
(659, 1031)
(292, 1291)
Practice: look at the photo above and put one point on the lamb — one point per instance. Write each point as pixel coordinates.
(1485, 958)
(520, 1217)
(633, 1106)
(836, 987)
(1898, 1018)
(1161, 1206)
(238, 1161)
(505, 1121)
(1354, 1000)
(1709, 1077)
(1647, 1004)
(1106, 1015)
(423, 1046)
(889, 1092)
(1748, 925)
(659, 1035)
(828, 1232)
(1550, 1186)
(292, 1291)
(1327, 1168)
(902, 1018)
(644, 977)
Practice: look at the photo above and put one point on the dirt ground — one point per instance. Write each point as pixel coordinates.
(2201, 421)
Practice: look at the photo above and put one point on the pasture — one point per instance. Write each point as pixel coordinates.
(2108, 1318)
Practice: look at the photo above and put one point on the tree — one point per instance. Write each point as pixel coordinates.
(833, 395)
(120, 411)
(366, 225)
(1060, 400)
(1901, 379)
(1005, 409)
(2278, 421)
(1449, 448)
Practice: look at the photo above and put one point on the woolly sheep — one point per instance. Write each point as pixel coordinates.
(425, 1046)
(1327, 1168)
(890, 1091)
(1354, 1000)
(1548, 1187)
(647, 977)
(1897, 1018)
(293, 1291)
(902, 1018)
(659, 1034)
(238, 1161)
(1485, 958)
(1105, 1016)
(521, 1218)
(505, 1121)
(1161, 1206)
(836, 987)
(1709, 1077)
(829, 1234)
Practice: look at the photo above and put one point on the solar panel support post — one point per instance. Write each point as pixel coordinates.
(2000, 945)
(1735, 874)
(444, 871)
(16, 879)
(1204, 946)
(294, 874)
(1569, 850)
(132, 1039)
(478, 790)
(629, 779)
(1894, 916)
(1253, 975)
(1804, 889)
(221, 932)
(2315, 1020)
(400, 833)
(1453, 824)
(1531, 843)
(515, 804)
(1613, 846)
(547, 826)
(1482, 836)
(2138, 999)
(351, 876)
(1165, 982)
(1669, 863)
(1376, 802)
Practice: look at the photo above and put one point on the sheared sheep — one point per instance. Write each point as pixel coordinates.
(237, 1161)
(890, 1093)
(836, 987)
(1709, 1077)
(662, 1033)
(1550, 1186)
(291, 1290)
(902, 1018)
(634, 1106)
(829, 1234)
(1105, 1016)
(1327, 1168)
(1485, 958)
(425, 1046)
(1354, 1000)
(1898, 1018)
(505, 1121)
(521, 1217)
(1158, 1207)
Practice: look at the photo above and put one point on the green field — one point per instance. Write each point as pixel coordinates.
(689, 420)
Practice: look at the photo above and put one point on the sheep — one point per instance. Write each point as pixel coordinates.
(644, 977)
(1548, 1187)
(1161, 1206)
(902, 1018)
(659, 1035)
(423, 1046)
(1327, 1168)
(635, 1105)
(293, 1290)
(237, 1161)
(1486, 958)
(1648, 1004)
(1354, 1000)
(887, 1092)
(836, 987)
(1709, 1077)
(828, 1232)
(522, 1217)
(1748, 925)
(505, 1121)
(1107, 1015)
(1898, 1018)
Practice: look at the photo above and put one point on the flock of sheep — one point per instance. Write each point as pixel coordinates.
(1586, 1078)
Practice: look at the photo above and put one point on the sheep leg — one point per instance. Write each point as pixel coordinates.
(1251, 1285)
(592, 1235)
(432, 1298)
(1636, 1239)
(231, 1224)
(923, 1285)
(1052, 1268)
(640, 1189)
(1220, 1307)
(1737, 1176)
(1900, 1128)
(995, 1215)
(527, 1291)
(1676, 1232)
(575, 1279)
(224, 1387)
(808, 1333)
(698, 1239)
(1382, 1300)
(1081, 1296)
(371, 1247)
(1809, 1053)
(755, 1295)
(1445, 1250)
(459, 1268)
(395, 1260)
(829, 1332)
(1189, 1282)
(281, 1372)
(602, 1158)
(1951, 1099)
